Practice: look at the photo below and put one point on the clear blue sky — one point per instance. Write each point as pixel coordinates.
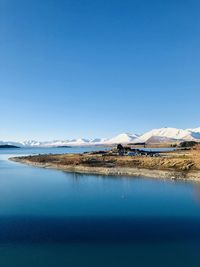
(96, 68)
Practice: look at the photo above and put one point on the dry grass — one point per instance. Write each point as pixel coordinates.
(182, 160)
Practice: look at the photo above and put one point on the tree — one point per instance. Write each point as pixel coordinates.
(120, 147)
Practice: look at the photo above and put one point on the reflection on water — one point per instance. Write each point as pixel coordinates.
(52, 218)
(197, 192)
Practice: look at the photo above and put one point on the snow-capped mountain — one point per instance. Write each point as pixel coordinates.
(170, 134)
(29, 143)
(195, 130)
(160, 135)
(195, 133)
(123, 138)
(79, 142)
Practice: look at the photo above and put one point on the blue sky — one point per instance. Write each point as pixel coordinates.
(94, 68)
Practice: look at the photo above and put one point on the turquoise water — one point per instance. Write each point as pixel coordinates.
(52, 218)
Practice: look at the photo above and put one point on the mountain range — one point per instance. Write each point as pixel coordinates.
(154, 136)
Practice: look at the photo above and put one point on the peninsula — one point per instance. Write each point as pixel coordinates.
(178, 164)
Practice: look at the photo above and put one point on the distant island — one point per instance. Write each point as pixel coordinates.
(8, 146)
(63, 147)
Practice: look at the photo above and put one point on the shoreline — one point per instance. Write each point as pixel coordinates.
(184, 175)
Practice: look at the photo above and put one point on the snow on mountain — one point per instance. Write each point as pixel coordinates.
(195, 130)
(123, 138)
(156, 135)
(170, 133)
(195, 133)
(79, 142)
(160, 139)
(97, 141)
(54, 143)
(31, 143)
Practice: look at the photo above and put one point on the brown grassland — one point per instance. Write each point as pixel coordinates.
(182, 161)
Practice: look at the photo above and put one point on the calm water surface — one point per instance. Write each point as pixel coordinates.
(52, 218)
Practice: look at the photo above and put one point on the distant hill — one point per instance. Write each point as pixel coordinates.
(8, 146)
(63, 146)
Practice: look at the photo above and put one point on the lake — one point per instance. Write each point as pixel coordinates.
(52, 218)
